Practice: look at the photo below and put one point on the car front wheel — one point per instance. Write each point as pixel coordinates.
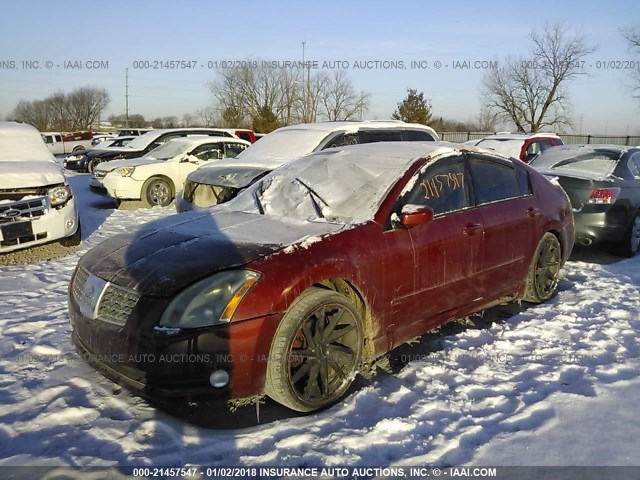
(544, 271)
(315, 352)
(157, 191)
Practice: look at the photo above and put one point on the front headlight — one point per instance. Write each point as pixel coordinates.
(125, 171)
(59, 195)
(211, 301)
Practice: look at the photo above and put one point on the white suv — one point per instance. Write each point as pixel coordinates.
(220, 182)
(36, 203)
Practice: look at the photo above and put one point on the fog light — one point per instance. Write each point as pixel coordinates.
(219, 378)
(70, 224)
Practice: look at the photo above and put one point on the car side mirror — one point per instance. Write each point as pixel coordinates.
(190, 159)
(413, 215)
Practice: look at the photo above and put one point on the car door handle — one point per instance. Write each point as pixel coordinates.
(533, 212)
(471, 228)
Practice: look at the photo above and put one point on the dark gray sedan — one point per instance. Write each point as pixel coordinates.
(603, 184)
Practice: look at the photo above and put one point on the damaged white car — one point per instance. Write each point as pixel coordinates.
(36, 203)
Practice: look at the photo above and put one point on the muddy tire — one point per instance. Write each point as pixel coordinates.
(544, 271)
(316, 351)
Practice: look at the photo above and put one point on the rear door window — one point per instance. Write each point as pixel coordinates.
(232, 150)
(374, 136)
(416, 136)
(208, 151)
(343, 139)
(493, 180)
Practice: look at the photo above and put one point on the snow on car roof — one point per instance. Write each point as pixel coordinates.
(20, 142)
(287, 143)
(198, 139)
(145, 139)
(507, 146)
(345, 184)
(518, 136)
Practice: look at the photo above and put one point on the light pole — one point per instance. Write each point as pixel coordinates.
(304, 89)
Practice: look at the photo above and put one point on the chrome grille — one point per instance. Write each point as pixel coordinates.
(116, 304)
(78, 283)
(25, 209)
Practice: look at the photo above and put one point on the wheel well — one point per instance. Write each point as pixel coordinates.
(370, 327)
(556, 234)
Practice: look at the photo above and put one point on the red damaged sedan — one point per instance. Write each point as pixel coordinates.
(312, 273)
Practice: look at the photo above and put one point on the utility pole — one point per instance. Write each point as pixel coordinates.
(304, 84)
(126, 97)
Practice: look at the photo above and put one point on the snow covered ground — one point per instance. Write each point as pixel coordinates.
(554, 384)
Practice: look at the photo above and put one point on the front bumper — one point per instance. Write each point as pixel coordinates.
(162, 364)
(76, 165)
(96, 186)
(54, 224)
(183, 205)
(123, 188)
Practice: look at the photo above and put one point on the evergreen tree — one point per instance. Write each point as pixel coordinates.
(414, 108)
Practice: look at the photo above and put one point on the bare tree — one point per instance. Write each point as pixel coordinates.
(58, 107)
(632, 36)
(339, 99)
(206, 116)
(84, 105)
(293, 85)
(246, 93)
(530, 92)
(314, 91)
(77, 110)
(270, 97)
(34, 113)
(486, 120)
(188, 120)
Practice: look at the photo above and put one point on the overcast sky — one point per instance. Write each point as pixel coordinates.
(122, 33)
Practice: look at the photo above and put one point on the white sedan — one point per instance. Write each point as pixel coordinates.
(156, 177)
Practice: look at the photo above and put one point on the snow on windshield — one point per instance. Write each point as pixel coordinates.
(283, 145)
(509, 147)
(599, 161)
(332, 185)
(168, 150)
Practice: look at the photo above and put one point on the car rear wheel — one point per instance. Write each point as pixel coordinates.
(157, 191)
(544, 271)
(315, 352)
(631, 243)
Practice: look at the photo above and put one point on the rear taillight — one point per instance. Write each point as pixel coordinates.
(604, 195)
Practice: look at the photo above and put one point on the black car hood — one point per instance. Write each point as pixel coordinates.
(236, 177)
(164, 256)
